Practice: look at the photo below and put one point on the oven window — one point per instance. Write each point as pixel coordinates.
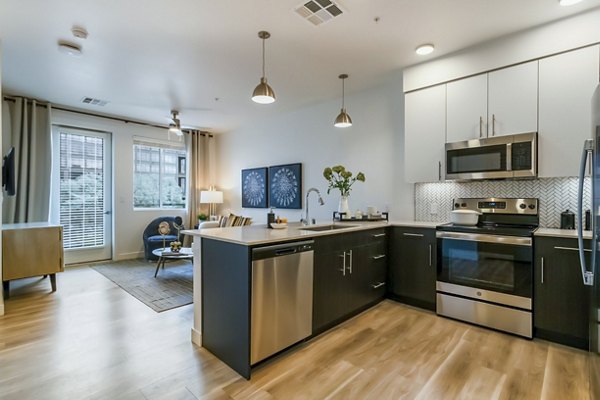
(476, 159)
(490, 266)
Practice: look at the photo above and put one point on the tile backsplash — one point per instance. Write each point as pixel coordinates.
(555, 196)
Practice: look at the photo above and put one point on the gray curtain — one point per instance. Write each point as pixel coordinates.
(27, 128)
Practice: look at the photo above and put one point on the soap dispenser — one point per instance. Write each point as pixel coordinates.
(270, 218)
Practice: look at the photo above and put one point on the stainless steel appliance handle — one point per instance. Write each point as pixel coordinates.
(479, 237)
(430, 256)
(439, 170)
(413, 234)
(542, 280)
(378, 285)
(587, 276)
(493, 124)
(344, 264)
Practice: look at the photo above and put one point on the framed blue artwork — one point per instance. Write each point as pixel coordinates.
(285, 186)
(254, 188)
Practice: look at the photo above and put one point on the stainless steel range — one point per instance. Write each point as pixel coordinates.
(485, 272)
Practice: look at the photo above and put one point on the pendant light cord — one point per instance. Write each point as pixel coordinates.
(343, 92)
(263, 58)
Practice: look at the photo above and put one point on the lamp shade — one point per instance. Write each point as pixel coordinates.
(343, 120)
(263, 93)
(211, 197)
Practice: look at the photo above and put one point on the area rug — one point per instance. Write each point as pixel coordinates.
(172, 287)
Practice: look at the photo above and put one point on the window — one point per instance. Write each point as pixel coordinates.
(158, 175)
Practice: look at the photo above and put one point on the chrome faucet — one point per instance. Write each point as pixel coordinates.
(307, 221)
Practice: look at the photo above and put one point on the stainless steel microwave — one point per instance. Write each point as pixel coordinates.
(509, 156)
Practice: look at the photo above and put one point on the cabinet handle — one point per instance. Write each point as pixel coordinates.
(542, 281)
(480, 126)
(413, 234)
(439, 170)
(379, 257)
(378, 235)
(570, 248)
(344, 264)
(378, 285)
(350, 254)
(430, 256)
(493, 124)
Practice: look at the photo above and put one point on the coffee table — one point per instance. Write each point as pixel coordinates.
(165, 254)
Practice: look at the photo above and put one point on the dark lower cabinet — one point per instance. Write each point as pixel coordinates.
(412, 266)
(349, 275)
(560, 298)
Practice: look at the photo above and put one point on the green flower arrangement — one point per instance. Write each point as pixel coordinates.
(340, 178)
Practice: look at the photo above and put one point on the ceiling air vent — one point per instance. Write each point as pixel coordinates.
(319, 11)
(94, 102)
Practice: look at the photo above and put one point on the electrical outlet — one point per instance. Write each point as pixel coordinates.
(433, 209)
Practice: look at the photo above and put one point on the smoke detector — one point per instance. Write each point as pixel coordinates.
(79, 32)
(318, 12)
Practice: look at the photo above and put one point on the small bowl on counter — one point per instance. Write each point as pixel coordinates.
(281, 225)
(464, 217)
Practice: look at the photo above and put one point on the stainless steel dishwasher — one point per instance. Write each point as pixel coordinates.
(282, 297)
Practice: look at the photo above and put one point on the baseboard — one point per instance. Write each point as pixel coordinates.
(129, 256)
(196, 337)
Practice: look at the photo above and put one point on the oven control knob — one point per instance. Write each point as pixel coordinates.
(522, 206)
(478, 293)
(463, 204)
(531, 206)
(456, 205)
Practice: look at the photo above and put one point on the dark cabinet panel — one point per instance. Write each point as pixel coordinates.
(413, 266)
(350, 273)
(560, 297)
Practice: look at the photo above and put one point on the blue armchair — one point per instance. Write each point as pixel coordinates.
(153, 240)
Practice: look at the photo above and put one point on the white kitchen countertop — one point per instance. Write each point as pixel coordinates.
(260, 234)
(563, 233)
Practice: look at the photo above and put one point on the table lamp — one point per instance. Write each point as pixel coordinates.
(211, 197)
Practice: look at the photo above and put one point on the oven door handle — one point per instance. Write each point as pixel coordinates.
(478, 237)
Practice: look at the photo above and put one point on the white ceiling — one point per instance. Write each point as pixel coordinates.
(148, 56)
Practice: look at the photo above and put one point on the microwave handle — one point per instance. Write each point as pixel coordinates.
(509, 156)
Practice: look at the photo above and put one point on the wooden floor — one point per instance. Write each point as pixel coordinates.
(91, 340)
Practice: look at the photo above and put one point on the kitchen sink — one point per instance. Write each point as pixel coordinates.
(331, 227)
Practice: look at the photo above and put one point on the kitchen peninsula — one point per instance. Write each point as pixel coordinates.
(236, 277)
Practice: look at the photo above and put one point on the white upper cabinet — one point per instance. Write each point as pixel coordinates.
(567, 82)
(512, 100)
(424, 134)
(467, 109)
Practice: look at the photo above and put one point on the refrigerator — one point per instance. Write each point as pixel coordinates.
(591, 273)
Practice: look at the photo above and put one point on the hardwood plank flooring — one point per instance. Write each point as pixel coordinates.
(92, 340)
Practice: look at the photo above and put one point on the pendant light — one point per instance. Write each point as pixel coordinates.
(175, 125)
(343, 120)
(263, 94)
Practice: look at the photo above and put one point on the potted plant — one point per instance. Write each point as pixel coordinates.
(202, 217)
(338, 177)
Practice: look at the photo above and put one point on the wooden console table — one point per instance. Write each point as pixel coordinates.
(31, 249)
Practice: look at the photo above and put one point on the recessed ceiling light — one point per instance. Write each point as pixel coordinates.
(72, 49)
(568, 2)
(424, 49)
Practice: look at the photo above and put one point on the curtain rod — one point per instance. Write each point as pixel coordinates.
(45, 105)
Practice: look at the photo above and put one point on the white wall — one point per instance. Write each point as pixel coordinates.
(570, 33)
(373, 145)
(128, 224)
